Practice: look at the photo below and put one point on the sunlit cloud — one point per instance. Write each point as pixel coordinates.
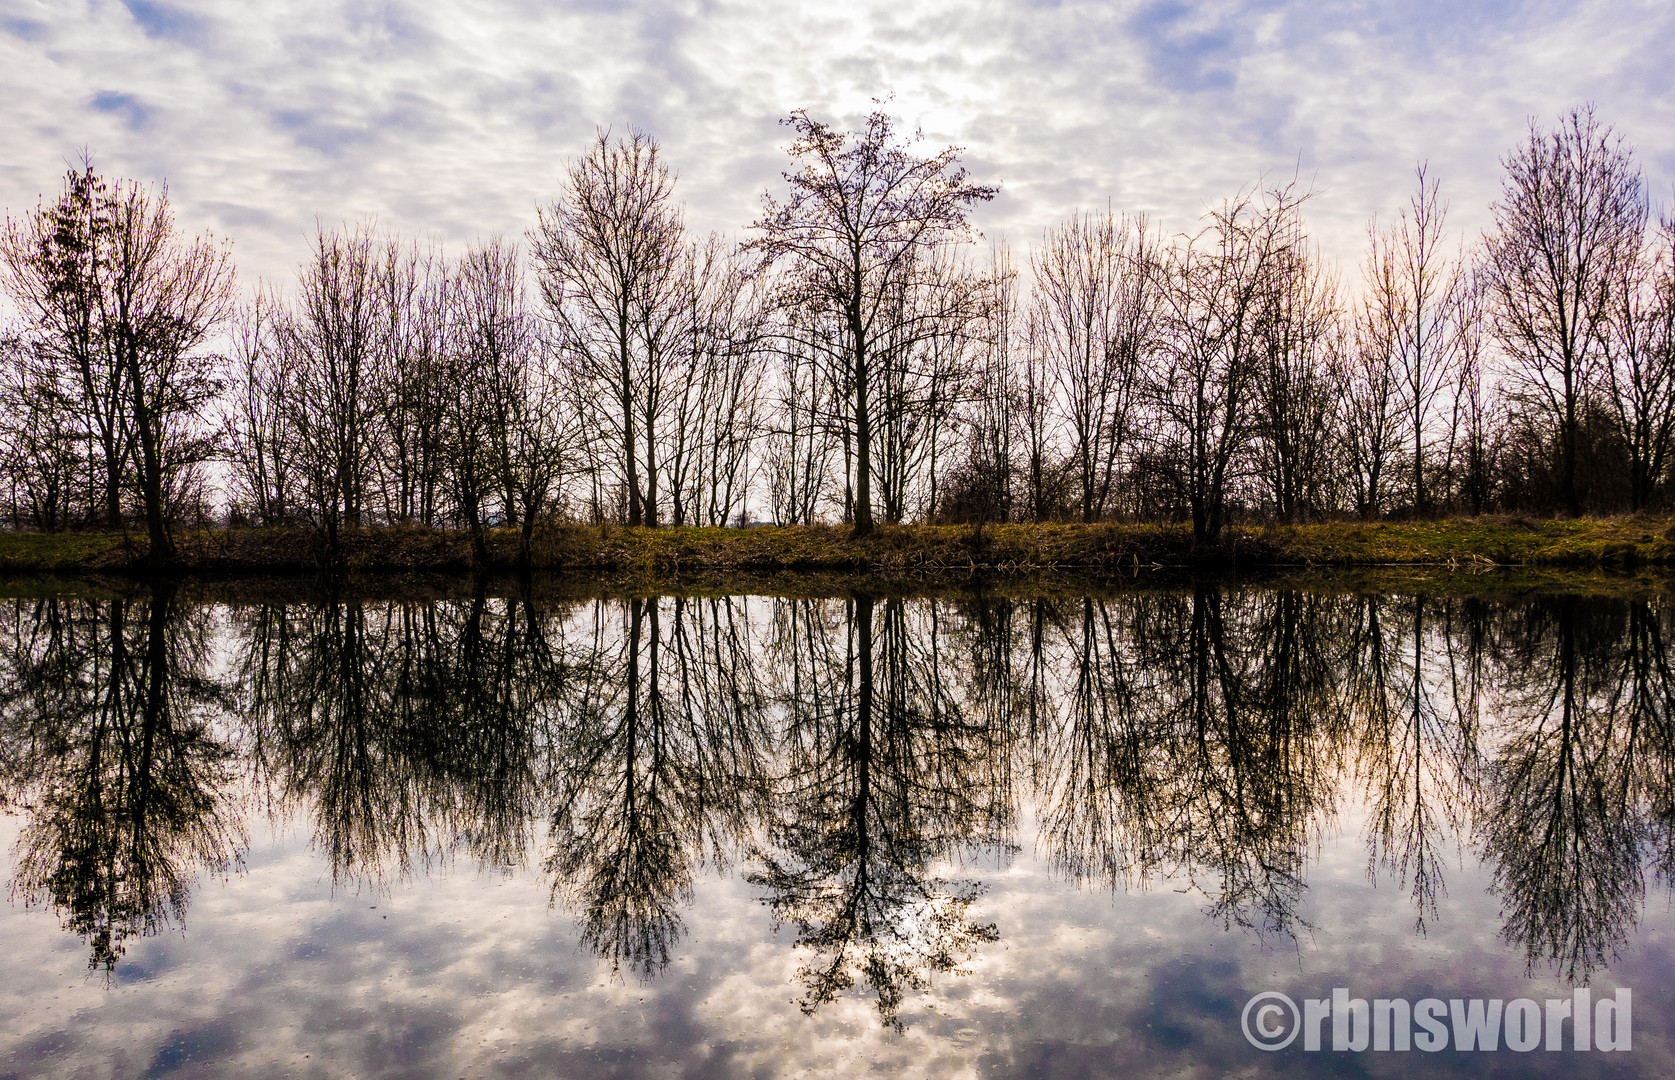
(454, 120)
(458, 972)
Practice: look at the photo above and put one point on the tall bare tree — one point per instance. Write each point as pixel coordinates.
(1371, 418)
(1096, 286)
(609, 254)
(1416, 287)
(1639, 365)
(486, 340)
(992, 459)
(922, 371)
(715, 396)
(52, 261)
(1036, 411)
(1299, 385)
(1221, 284)
(1373, 413)
(540, 441)
(260, 443)
(508, 431)
(1571, 216)
(330, 339)
(857, 233)
(807, 425)
(1471, 440)
(415, 311)
(162, 301)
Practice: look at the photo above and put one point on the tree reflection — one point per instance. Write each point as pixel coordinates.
(111, 748)
(482, 687)
(1648, 696)
(341, 727)
(1416, 735)
(858, 753)
(410, 730)
(1102, 819)
(1242, 686)
(1561, 821)
(884, 776)
(657, 765)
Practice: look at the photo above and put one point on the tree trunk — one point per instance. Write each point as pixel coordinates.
(526, 537)
(474, 525)
(162, 552)
(627, 402)
(1418, 474)
(1573, 505)
(863, 435)
(113, 489)
(649, 512)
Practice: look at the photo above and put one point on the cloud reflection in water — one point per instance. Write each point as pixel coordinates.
(1060, 834)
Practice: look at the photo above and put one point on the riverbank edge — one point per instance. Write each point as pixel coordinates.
(910, 550)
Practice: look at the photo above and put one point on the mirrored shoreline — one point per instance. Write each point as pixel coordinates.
(884, 797)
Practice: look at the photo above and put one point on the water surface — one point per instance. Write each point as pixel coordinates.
(949, 835)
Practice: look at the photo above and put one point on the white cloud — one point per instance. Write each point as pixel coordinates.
(453, 119)
(459, 973)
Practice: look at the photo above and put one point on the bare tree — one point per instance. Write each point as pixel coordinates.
(486, 370)
(609, 253)
(1036, 411)
(1096, 305)
(329, 340)
(922, 371)
(260, 442)
(1471, 443)
(1639, 365)
(1571, 217)
(120, 300)
(715, 395)
(1416, 286)
(1220, 285)
(858, 234)
(1299, 384)
(530, 423)
(992, 459)
(162, 301)
(42, 438)
(414, 329)
(541, 443)
(52, 262)
(1373, 409)
(807, 420)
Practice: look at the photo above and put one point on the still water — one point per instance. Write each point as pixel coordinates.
(951, 835)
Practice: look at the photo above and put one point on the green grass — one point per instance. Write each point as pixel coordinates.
(57, 553)
(1503, 541)
(894, 551)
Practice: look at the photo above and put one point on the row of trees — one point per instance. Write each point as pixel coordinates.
(107, 385)
(397, 386)
(854, 359)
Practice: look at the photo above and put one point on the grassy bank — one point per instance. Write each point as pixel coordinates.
(904, 550)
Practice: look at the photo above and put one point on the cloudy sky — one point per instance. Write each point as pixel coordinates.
(460, 973)
(453, 119)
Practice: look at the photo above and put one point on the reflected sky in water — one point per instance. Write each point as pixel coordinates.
(718, 836)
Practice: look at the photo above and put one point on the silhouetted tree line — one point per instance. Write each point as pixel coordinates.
(857, 759)
(853, 359)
